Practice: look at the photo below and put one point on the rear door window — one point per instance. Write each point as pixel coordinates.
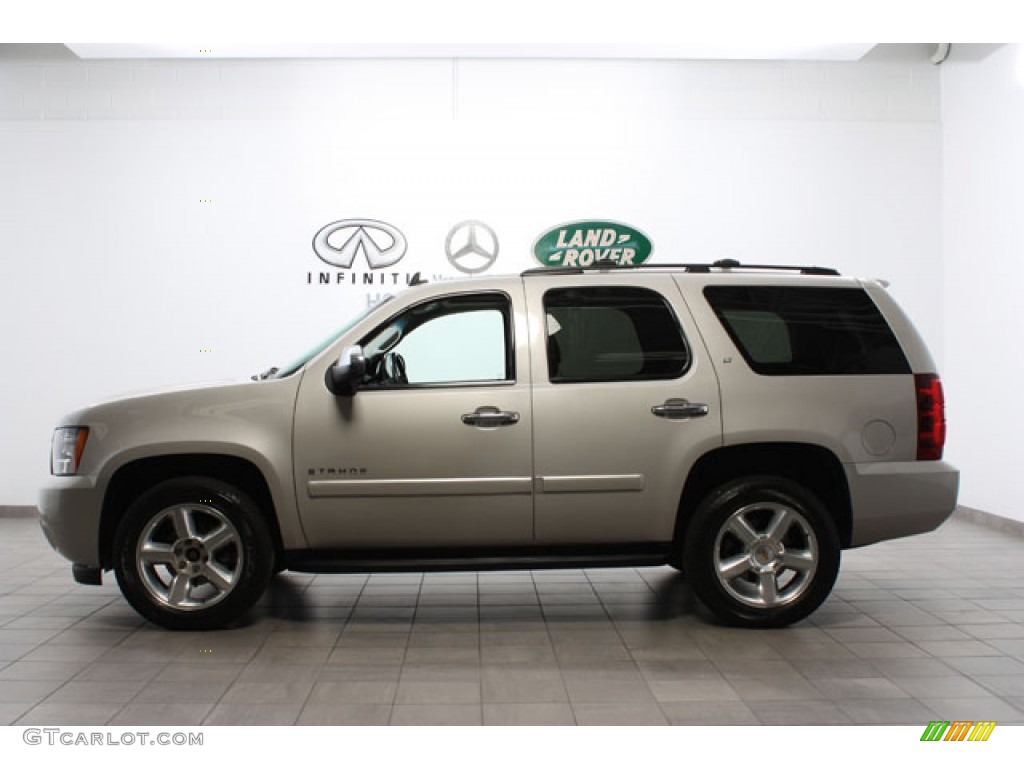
(612, 334)
(807, 331)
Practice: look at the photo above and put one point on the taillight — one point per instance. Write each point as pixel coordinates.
(931, 416)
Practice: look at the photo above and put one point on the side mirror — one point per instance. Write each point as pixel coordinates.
(344, 376)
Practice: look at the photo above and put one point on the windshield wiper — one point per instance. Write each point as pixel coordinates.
(265, 375)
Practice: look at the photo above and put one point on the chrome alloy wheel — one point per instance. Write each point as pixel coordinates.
(766, 555)
(189, 556)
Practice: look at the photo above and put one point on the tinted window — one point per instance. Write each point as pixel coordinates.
(451, 340)
(800, 331)
(612, 334)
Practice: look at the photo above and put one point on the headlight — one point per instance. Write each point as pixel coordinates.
(66, 451)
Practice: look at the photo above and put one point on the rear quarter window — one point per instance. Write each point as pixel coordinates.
(807, 331)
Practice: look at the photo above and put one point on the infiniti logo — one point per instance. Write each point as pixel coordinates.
(382, 244)
(471, 247)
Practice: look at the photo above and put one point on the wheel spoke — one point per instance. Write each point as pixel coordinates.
(178, 593)
(740, 528)
(183, 527)
(779, 525)
(798, 559)
(732, 567)
(218, 538)
(219, 576)
(156, 553)
(768, 588)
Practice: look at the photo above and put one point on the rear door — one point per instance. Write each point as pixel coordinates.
(624, 402)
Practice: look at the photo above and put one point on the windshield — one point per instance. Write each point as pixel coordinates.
(288, 370)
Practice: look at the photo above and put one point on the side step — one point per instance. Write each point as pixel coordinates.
(475, 559)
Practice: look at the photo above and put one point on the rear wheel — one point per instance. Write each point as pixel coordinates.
(762, 552)
(193, 553)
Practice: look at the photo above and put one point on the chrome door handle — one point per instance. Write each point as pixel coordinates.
(677, 408)
(489, 416)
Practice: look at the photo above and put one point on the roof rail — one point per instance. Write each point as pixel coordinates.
(696, 268)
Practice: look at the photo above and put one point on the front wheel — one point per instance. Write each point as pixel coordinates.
(193, 553)
(762, 552)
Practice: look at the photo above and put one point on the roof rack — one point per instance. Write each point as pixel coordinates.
(604, 266)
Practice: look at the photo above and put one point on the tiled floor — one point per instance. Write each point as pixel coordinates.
(925, 628)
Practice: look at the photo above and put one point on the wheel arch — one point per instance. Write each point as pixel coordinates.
(812, 466)
(132, 479)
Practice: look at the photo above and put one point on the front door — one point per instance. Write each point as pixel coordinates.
(435, 447)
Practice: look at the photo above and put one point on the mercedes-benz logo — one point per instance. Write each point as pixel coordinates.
(471, 246)
(382, 244)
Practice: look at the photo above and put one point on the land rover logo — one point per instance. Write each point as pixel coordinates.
(382, 244)
(471, 247)
(582, 243)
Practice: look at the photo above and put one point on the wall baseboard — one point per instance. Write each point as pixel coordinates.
(988, 520)
(25, 511)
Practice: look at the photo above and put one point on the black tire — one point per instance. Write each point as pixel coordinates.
(777, 577)
(208, 555)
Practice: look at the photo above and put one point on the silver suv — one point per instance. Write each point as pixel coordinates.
(745, 424)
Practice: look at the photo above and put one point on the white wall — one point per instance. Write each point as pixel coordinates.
(983, 247)
(114, 276)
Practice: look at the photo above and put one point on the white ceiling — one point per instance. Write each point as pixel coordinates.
(757, 51)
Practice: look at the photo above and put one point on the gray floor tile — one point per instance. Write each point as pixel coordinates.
(41, 670)
(51, 652)
(352, 692)
(512, 654)
(986, 665)
(453, 654)
(772, 687)
(437, 714)
(113, 692)
(369, 656)
(709, 713)
(182, 691)
(439, 692)
(10, 712)
(807, 712)
(101, 671)
(859, 688)
(519, 683)
(13, 651)
(345, 714)
(534, 713)
(886, 711)
(697, 689)
(634, 713)
(887, 650)
(1002, 710)
(1003, 685)
(163, 713)
(420, 639)
(943, 687)
(27, 690)
(614, 682)
(253, 714)
(70, 713)
(244, 693)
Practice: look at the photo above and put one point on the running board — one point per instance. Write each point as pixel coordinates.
(476, 558)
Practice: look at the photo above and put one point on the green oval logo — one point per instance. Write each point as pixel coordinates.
(586, 243)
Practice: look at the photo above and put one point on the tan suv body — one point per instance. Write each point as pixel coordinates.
(743, 424)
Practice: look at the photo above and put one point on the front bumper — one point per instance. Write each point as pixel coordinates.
(69, 513)
(894, 499)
